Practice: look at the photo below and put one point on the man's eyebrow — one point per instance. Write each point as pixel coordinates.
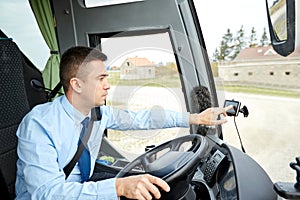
(103, 75)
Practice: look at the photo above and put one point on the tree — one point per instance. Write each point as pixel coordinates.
(172, 66)
(239, 43)
(264, 41)
(252, 40)
(231, 46)
(226, 47)
(215, 56)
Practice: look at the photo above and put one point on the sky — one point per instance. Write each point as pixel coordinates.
(215, 17)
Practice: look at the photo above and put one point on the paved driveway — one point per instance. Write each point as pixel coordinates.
(270, 134)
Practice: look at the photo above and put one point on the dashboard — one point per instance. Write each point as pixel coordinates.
(225, 172)
(215, 177)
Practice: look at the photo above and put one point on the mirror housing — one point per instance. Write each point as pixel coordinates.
(283, 25)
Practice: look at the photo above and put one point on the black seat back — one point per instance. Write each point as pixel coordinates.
(14, 103)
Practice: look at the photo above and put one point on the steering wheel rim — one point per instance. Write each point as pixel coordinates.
(186, 161)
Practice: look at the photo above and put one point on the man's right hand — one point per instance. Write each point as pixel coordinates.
(141, 187)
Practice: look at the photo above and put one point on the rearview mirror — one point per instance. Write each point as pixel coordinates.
(283, 25)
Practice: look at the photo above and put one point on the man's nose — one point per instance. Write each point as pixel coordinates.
(106, 85)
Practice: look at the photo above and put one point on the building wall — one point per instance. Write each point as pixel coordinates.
(268, 73)
(133, 73)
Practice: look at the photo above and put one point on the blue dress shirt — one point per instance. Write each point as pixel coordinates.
(47, 141)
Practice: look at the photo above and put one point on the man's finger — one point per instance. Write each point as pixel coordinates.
(145, 193)
(159, 182)
(151, 188)
(224, 110)
(228, 107)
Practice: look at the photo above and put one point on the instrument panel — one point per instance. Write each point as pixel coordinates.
(215, 177)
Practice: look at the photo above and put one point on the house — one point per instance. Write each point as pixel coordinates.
(263, 67)
(137, 68)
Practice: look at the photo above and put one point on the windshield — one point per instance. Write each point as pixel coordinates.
(263, 81)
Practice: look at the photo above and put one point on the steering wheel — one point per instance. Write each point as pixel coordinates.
(174, 161)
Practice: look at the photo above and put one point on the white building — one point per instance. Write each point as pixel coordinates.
(263, 67)
(137, 68)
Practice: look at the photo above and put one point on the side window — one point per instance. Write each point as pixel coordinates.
(17, 22)
(143, 75)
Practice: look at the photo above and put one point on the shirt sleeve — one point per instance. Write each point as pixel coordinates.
(39, 173)
(145, 119)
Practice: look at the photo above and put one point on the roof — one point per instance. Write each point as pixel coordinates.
(136, 61)
(262, 53)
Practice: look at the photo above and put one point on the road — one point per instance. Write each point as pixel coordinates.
(270, 134)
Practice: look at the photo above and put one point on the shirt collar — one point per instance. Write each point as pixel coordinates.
(71, 111)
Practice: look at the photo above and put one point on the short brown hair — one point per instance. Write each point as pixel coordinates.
(73, 58)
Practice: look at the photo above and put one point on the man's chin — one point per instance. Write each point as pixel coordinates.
(99, 103)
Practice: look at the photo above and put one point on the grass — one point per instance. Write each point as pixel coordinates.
(172, 81)
(262, 91)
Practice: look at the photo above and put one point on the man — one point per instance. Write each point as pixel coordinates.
(48, 135)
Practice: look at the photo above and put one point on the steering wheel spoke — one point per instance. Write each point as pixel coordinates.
(172, 162)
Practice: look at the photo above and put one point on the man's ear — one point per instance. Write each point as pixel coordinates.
(75, 84)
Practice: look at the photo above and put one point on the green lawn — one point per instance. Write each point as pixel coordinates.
(166, 80)
(262, 91)
(172, 81)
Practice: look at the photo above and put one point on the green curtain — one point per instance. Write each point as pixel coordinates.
(43, 14)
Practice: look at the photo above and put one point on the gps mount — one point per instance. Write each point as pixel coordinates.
(245, 111)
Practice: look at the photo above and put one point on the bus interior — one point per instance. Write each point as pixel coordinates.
(133, 33)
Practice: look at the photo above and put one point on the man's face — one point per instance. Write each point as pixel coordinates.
(95, 85)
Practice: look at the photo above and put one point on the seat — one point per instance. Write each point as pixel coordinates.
(17, 98)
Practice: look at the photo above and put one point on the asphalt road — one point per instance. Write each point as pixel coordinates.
(270, 134)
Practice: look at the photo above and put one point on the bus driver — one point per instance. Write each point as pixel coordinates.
(48, 136)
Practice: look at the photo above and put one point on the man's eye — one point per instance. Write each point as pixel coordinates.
(102, 77)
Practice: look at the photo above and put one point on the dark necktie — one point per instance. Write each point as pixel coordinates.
(84, 161)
